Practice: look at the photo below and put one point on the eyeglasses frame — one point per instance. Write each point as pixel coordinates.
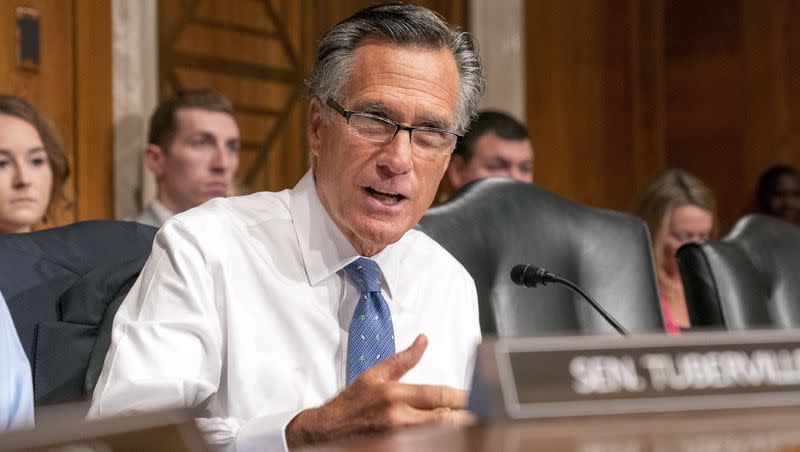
(347, 114)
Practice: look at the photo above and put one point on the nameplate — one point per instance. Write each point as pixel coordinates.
(584, 376)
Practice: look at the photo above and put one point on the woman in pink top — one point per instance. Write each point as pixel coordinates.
(678, 209)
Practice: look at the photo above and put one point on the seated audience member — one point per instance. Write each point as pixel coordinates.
(315, 313)
(193, 152)
(778, 193)
(16, 388)
(495, 145)
(678, 209)
(33, 166)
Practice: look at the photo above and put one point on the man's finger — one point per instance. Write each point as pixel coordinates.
(429, 397)
(458, 418)
(394, 367)
(413, 416)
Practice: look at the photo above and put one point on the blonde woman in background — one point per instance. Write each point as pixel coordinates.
(33, 166)
(678, 209)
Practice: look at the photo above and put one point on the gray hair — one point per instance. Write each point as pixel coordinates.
(402, 24)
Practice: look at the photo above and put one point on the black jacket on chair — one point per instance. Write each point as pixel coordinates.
(59, 284)
(748, 279)
(493, 224)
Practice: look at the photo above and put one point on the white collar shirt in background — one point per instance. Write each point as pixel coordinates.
(243, 309)
(154, 214)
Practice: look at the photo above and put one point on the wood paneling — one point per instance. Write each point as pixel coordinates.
(50, 88)
(94, 124)
(594, 102)
(620, 90)
(729, 75)
(72, 88)
(251, 51)
(257, 52)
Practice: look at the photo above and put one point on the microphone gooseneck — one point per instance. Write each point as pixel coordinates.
(533, 276)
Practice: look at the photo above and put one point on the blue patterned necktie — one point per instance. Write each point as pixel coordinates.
(371, 338)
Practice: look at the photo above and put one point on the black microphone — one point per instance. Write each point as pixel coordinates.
(532, 276)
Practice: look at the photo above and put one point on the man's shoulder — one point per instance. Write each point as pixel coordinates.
(237, 212)
(419, 249)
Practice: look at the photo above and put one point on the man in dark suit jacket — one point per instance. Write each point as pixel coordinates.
(58, 284)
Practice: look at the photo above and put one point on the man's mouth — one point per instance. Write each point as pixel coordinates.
(385, 197)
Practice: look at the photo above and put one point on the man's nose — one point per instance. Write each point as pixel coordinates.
(223, 159)
(397, 155)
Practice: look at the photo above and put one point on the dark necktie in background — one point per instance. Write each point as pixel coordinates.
(371, 338)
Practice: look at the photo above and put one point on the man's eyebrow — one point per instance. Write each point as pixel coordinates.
(374, 105)
(435, 121)
(203, 133)
(428, 120)
(497, 159)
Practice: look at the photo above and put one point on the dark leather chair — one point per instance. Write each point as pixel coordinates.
(493, 224)
(748, 279)
(63, 287)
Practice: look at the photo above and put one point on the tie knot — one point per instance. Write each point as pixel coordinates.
(365, 273)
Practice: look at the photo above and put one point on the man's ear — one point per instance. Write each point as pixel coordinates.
(455, 171)
(155, 159)
(314, 128)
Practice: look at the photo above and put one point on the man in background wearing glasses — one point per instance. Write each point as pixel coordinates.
(315, 313)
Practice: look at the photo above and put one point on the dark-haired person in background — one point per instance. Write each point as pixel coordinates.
(33, 166)
(495, 145)
(778, 193)
(193, 151)
(301, 316)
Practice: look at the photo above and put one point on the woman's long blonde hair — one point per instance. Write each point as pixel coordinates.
(672, 189)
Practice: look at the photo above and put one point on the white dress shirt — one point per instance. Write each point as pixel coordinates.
(154, 214)
(243, 309)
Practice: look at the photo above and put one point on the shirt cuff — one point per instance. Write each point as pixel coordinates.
(265, 433)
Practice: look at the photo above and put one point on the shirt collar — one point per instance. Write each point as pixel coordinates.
(324, 247)
(161, 212)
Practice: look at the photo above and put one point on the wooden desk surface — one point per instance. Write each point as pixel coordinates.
(739, 431)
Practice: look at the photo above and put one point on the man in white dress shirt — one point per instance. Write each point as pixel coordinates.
(193, 151)
(248, 308)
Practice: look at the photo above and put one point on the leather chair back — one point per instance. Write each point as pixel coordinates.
(493, 224)
(748, 279)
(58, 284)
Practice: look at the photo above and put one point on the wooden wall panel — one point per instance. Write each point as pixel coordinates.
(94, 123)
(72, 88)
(258, 52)
(594, 100)
(619, 90)
(249, 51)
(50, 88)
(730, 74)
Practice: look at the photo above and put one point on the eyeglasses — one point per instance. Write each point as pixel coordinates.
(382, 130)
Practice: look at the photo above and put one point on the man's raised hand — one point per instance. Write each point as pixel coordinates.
(377, 401)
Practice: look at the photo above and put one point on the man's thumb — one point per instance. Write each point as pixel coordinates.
(394, 367)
